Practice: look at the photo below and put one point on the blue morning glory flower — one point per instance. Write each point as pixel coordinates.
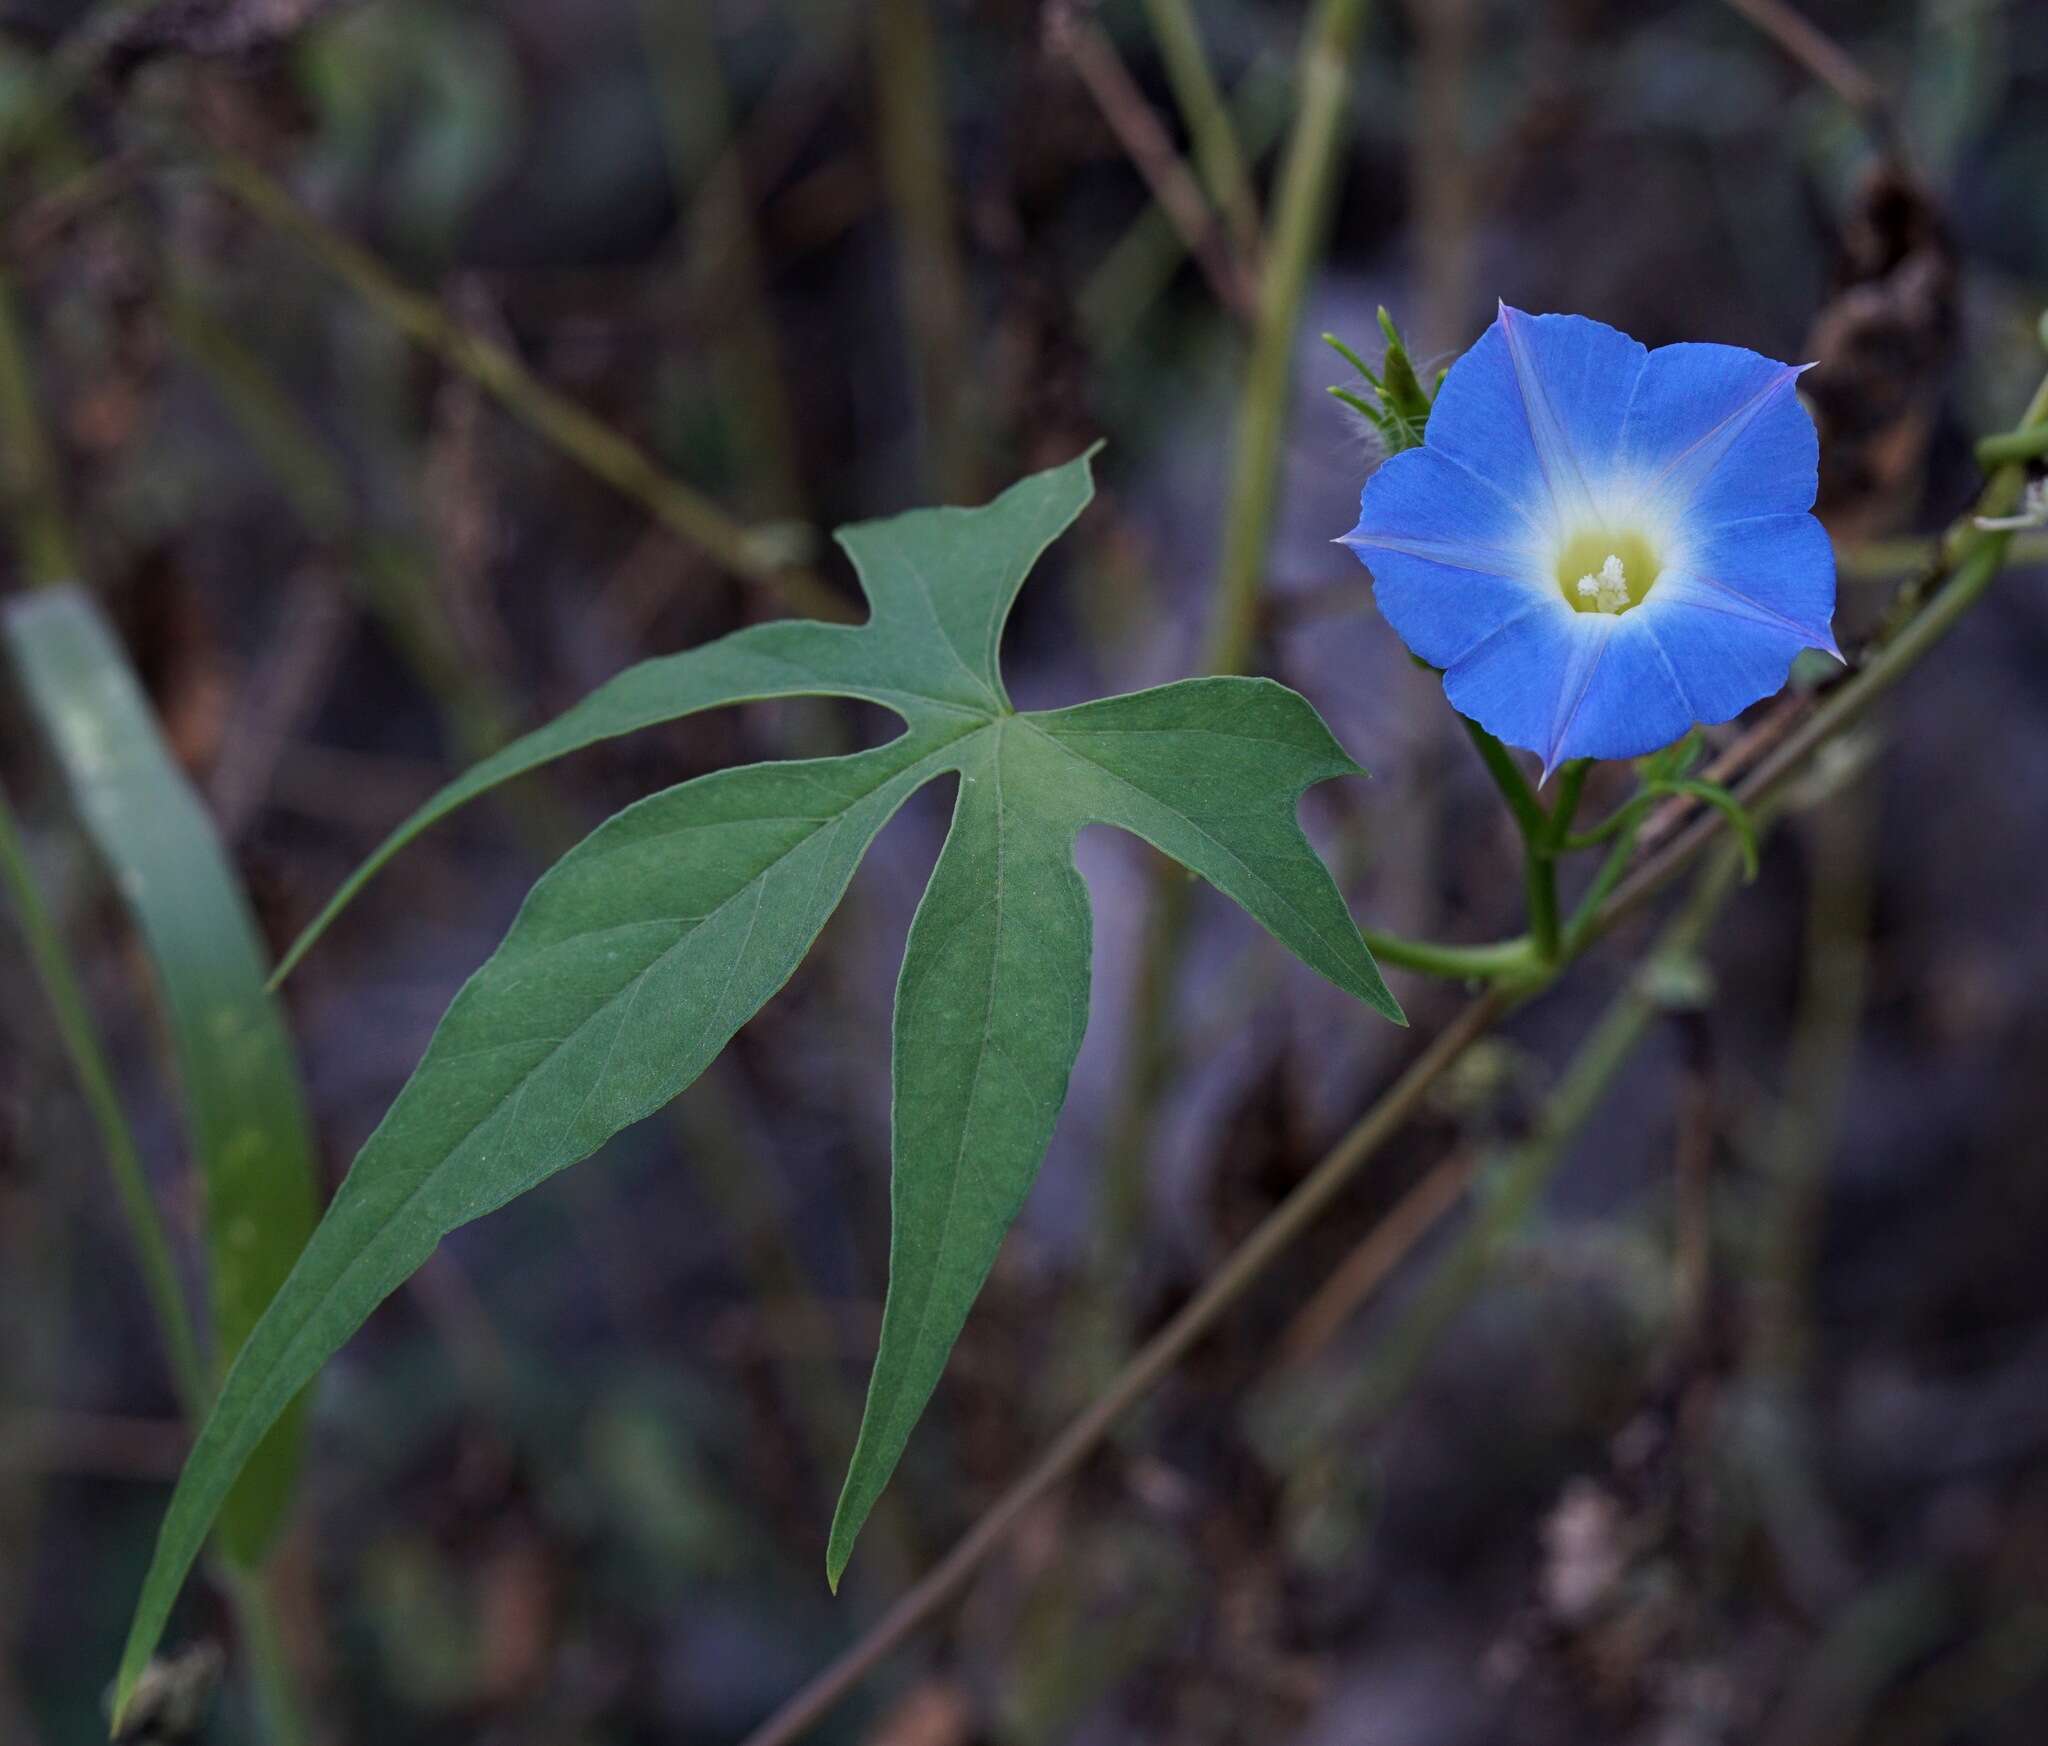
(1599, 544)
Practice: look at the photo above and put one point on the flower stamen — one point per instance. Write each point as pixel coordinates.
(1608, 569)
(1606, 591)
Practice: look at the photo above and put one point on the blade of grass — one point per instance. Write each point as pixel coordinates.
(1218, 154)
(247, 1121)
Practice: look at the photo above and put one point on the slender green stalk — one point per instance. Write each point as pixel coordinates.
(1578, 931)
(1308, 174)
(2013, 446)
(103, 1102)
(551, 415)
(1508, 958)
(915, 153)
(722, 261)
(272, 1686)
(28, 475)
(1530, 818)
(1516, 1186)
(1571, 784)
(1137, 269)
(1539, 885)
(1628, 813)
(1544, 831)
(1218, 155)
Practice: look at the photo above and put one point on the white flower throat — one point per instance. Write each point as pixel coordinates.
(1609, 567)
(1606, 590)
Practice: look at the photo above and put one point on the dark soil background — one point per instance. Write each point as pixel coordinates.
(1743, 1440)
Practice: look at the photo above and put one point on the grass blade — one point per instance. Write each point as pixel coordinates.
(244, 1110)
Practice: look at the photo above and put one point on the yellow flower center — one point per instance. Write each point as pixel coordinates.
(1605, 569)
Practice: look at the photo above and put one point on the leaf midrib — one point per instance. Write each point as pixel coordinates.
(988, 1012)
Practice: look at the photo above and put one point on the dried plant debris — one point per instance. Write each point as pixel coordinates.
(1883, 345)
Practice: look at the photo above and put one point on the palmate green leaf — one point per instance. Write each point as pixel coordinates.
(638, 956)
(243, 1106)
(993, 997)
(927, 651)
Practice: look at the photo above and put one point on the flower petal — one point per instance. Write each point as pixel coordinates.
(1535, 408)
(1773, 570)
(1716, 433)
(1631, 704)
(1522, 681)
(1576, 378)
(1451, 557)
(1725, 662)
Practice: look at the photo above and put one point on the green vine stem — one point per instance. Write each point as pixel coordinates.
(1504, 959)
(1306, 178)
(1546, 832)
(2014, 447)
(1529, 816)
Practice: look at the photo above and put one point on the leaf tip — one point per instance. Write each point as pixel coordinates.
(122, 1701)
(838, 1554)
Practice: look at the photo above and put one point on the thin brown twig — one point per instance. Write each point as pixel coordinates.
(1392, 1238)
(550, 414)
(1825, 59)
(1150, 148)
(1152, 1362)
(99, 1445)
(43, 219)
(299, 659)
(1741, 755)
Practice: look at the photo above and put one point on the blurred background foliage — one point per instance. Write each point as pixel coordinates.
(1743, 1437)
